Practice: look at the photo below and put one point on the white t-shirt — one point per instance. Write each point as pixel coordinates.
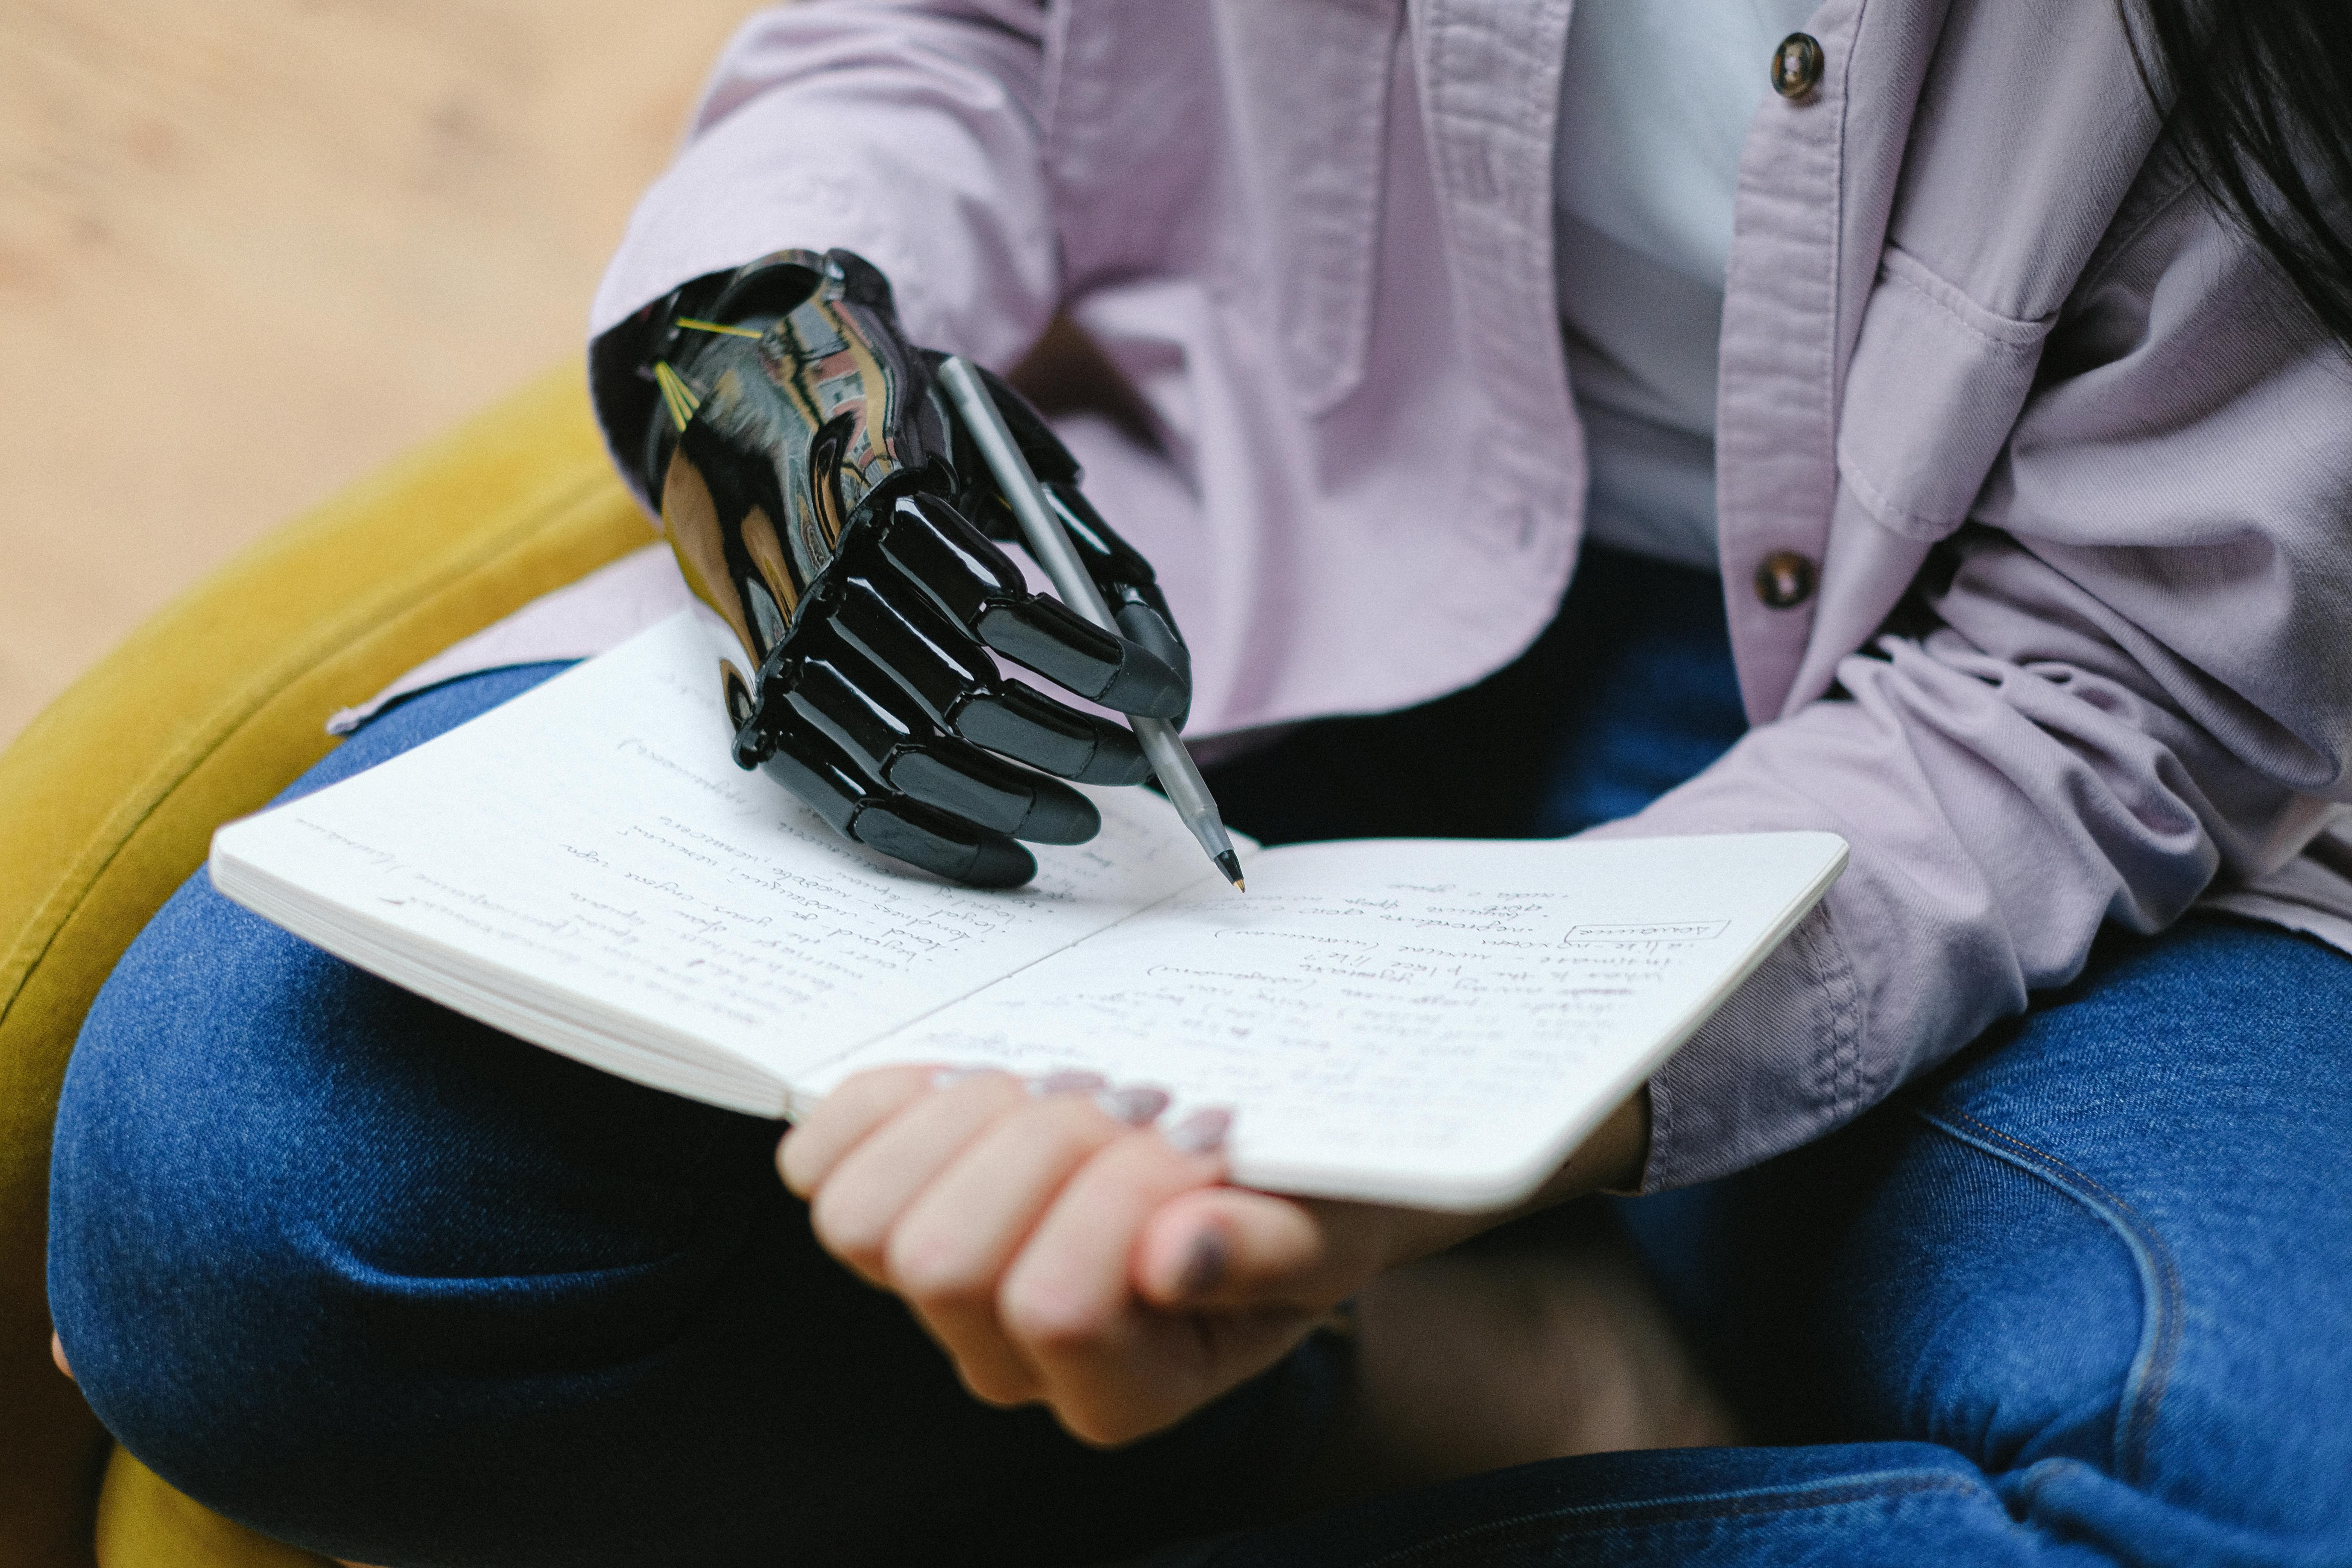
(1655, 105)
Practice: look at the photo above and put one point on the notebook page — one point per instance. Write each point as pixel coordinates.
(1419, 1021)
(587, 867)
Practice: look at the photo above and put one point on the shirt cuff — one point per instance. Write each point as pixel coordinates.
(1779, 1066)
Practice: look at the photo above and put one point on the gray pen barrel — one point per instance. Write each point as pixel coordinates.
(1170, 761)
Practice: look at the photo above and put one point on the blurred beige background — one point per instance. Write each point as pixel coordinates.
(250, 248)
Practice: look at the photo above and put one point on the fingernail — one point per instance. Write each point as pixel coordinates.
(1204, 1270)
(1137, 1107)
(946, 1076)
(1069, 1080)
(1203, 1132)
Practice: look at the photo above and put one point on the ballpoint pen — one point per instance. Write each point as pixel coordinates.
(1170, 761)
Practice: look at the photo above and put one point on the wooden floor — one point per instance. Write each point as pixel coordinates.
(249, 248)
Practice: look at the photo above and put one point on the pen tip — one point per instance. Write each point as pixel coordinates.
(1231, 865)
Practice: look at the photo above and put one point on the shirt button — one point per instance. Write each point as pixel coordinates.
(1784, 580)
(1797, 66)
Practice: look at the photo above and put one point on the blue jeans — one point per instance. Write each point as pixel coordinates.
(384, 1282)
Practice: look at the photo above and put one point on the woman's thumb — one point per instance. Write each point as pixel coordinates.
(1228, 1247)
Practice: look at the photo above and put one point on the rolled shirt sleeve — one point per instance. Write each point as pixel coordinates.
(2126, 682)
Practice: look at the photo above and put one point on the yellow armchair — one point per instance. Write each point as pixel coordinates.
(108, 801)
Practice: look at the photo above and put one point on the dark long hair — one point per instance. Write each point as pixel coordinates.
(2261, 107)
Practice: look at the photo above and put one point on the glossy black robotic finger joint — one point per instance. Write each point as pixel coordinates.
(819, 492)
(843, 695)
(806, 763)
(937, 665)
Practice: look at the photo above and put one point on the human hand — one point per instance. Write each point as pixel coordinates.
(1064, 1251)
(834, 518)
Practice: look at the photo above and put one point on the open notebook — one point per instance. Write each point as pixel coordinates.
(1421, 1021)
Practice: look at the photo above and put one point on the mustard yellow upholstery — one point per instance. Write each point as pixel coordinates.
(141, 1520)
(107, 803)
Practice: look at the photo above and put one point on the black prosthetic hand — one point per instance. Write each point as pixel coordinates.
(834, 522)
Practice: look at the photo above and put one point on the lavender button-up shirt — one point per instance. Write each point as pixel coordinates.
(2071, 469)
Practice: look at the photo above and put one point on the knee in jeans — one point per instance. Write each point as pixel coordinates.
(2016, 1334)
(192, 1306)
(1895, 1284)
(299, 1218)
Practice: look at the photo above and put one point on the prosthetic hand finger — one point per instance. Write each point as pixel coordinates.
(816, 490)
(1126, 581)
(971, 580)
(845, 696)
(1147, 625)
(809, 765)
(1120, 571)
(1024, 722)
(940, 668)
(1042, 449)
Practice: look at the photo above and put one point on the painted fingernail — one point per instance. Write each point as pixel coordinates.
(1203, 1132)
(1137, 1107)
(1069, 1080)
(1205, 1269)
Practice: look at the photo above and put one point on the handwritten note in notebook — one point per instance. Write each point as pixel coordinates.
(1419, 1021)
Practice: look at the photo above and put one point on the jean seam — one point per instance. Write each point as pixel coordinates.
(2160, 1277)
(348, 1269)
(1580, 1518)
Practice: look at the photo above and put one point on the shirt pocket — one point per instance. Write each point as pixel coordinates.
(1309, 89)
(1932, 393)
